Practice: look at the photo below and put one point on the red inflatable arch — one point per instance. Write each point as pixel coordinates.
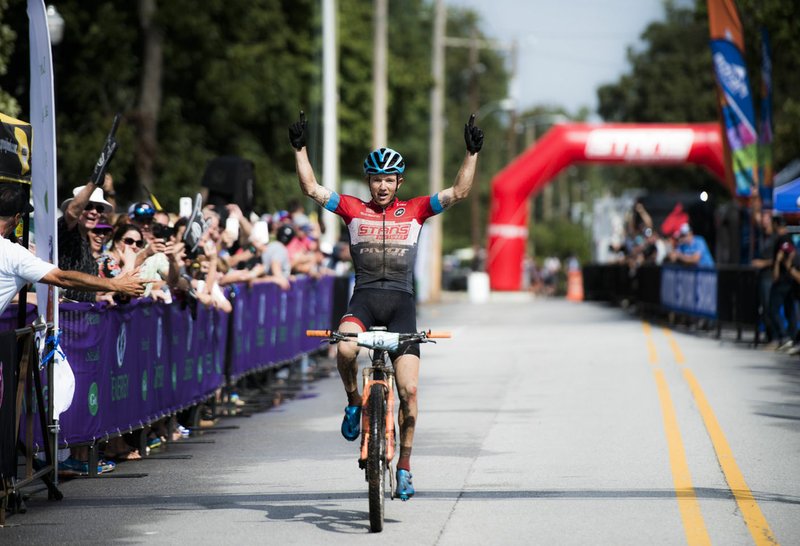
(565, 144)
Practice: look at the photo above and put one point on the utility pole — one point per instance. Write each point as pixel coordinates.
(474, 105)
(436, 167)
(379, 83)
(512, 122)
(330, 125)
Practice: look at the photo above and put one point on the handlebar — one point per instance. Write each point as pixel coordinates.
(378, 339)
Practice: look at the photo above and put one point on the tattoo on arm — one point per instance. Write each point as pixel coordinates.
(321, 195)
(445, 200)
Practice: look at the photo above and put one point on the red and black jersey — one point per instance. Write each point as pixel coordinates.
(383, 242)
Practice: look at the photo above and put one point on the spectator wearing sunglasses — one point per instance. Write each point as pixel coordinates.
(99, 238)
(121, 256)
(81, 214)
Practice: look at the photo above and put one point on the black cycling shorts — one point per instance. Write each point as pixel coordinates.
(394, 309)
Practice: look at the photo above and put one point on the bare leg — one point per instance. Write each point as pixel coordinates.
(347, 365)
(407, 375)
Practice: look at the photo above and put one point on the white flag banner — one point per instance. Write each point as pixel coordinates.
(43, 156)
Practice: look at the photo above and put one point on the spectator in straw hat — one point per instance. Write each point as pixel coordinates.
(82, 213)
(19, 266)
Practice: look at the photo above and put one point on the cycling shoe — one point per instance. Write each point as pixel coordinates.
(351, 424)
(405, 488)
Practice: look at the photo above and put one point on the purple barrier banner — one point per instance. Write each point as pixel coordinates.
(8, 319)
(270, 323)
(138, 362)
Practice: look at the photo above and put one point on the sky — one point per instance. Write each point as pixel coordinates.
(567, 48)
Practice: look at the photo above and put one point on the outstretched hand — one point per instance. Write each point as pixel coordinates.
(129, 283)
(297, 132)
(473, 136)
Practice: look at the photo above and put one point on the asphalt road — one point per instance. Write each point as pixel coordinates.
(541, 422)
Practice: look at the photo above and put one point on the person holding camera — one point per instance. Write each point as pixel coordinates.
(781, 293)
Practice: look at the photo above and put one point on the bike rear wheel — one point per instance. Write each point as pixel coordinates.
(376, 457)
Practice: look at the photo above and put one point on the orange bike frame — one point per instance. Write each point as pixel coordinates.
(388, 385)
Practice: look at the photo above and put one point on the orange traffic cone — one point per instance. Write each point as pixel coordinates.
(575, 285)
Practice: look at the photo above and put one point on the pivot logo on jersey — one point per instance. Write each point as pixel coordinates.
(399, 212)
(121, 343)
(390, 232)
(389, 251)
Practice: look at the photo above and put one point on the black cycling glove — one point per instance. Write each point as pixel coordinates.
(297, 132)
(473, 136)
(109, 149)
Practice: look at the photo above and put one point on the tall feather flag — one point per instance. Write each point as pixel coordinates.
(43, 157)
(765, 124)
(736, 101)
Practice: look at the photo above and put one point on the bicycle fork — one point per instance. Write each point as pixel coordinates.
(388, 385)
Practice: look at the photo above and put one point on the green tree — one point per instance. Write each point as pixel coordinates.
(235, 74)
(670, 80)
(8, 104)
(779, 18)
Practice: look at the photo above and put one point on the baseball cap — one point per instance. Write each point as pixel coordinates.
(141, 211)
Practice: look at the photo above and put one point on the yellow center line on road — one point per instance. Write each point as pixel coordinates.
(753, 517)
(693, 524)
(676, 350)
(652, 354)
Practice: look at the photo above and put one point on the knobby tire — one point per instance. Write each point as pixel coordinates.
(376, 457)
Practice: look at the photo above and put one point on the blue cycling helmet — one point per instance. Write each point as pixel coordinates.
(384, 161)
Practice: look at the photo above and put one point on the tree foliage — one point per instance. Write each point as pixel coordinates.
(671, 80)
(8, 104)
(235, 74)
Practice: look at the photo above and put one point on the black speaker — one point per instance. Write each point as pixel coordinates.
(230, 179)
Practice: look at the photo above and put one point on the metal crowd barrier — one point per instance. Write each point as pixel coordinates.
(137, 363)
(726, 295)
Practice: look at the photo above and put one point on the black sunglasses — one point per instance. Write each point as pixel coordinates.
(102, 231)
(130, 241)
(95, 206)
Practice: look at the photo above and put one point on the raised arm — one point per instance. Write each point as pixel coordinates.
(473, 137)
(305, 173)
(76, 206)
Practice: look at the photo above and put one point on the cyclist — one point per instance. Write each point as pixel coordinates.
(383, 244)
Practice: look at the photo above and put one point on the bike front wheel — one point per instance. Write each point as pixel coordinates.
(376, 457)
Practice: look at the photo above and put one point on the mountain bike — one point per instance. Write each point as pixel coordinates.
(377, 410)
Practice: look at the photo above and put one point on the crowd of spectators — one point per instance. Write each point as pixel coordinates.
(191, 260)
(674, 243)
(778, 282)
(774, 256)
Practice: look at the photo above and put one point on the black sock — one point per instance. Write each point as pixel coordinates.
(353, 398)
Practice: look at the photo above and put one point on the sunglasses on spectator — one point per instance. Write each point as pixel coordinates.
(131, 241)
(95, 206)
(102, 231)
